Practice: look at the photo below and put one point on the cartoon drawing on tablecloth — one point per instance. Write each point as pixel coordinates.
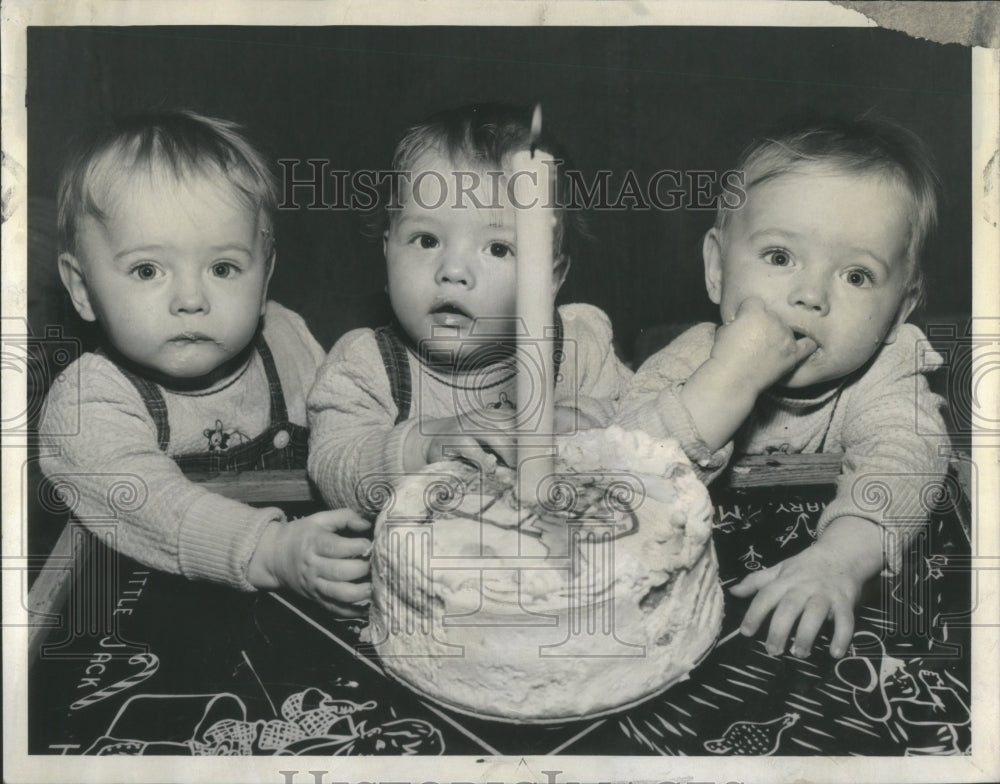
(792, 531)
(921, 711)
(903, 592)
(148, 664)
(729, 517)
(934, 564)
(752, 737)
(751, 559)
(311, 722)
(220, 439)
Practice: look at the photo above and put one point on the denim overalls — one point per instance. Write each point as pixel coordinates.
(282, 445)
(396, 361)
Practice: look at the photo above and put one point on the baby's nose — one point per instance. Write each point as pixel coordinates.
(189, 297)
(809, 293)
(454, 269)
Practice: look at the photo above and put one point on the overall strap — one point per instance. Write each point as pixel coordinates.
(279, 410)
(397, 364)
(152, 397)
(397, 368)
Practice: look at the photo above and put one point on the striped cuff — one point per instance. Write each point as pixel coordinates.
(676, 422)
(218, 538)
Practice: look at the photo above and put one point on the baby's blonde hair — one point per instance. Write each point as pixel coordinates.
(180, 143)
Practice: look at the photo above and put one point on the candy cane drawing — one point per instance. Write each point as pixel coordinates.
(150, 664)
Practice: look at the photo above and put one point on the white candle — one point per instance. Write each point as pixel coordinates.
(535, 224)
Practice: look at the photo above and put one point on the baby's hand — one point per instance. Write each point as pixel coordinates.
(568, 419)
(468, 436)
(808, 588)
(310, 557)
(758, 348)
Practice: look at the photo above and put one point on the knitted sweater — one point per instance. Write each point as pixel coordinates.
(883, 418)
(106, 456)
(352, 416)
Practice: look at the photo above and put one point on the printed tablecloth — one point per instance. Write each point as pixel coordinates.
(149, 663)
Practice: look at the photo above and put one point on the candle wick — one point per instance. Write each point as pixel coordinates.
(531, 149)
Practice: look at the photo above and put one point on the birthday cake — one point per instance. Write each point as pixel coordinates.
(598, 591)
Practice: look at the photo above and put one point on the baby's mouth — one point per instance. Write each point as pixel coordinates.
(186, 338)
(449, 314)
(798, 334)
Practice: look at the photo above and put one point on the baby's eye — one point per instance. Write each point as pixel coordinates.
(859, 278)
(144, 270)
(778, 257)
(224, 269)
(426, 241)
(500, 250)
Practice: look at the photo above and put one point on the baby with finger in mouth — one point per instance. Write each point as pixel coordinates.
(815, 276)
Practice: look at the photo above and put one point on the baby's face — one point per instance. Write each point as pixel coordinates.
(450, 265)
(177, 276)
(827, 253)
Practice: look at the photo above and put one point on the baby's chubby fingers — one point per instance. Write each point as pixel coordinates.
(843, 628)
(753, 582)
(750, 308)
(329, 545)
(814, 614)
(344, 592)
(756, 347)
(340, 520)
(804, 347)
(769, 593)
(786, 613)
(476, 449)
(495, 432)
(766, 329)
(756, 324)
(346, 600)
(342, 569)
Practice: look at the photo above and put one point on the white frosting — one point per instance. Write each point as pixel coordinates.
(483, 606)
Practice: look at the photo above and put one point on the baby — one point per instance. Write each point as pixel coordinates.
(166, 240)
(441, 378)
(815, 276)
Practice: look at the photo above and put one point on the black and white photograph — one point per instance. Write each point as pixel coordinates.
(612, 382)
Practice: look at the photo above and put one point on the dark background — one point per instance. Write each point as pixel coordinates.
(641, 99)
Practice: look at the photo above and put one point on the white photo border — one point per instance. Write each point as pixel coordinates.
(984, 762)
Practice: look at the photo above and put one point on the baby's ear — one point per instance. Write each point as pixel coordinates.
(559, 271)
(905, 309)
(271, 262)
(711, 254)
(71, 273)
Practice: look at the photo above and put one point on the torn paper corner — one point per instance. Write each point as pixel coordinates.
(968, 23)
